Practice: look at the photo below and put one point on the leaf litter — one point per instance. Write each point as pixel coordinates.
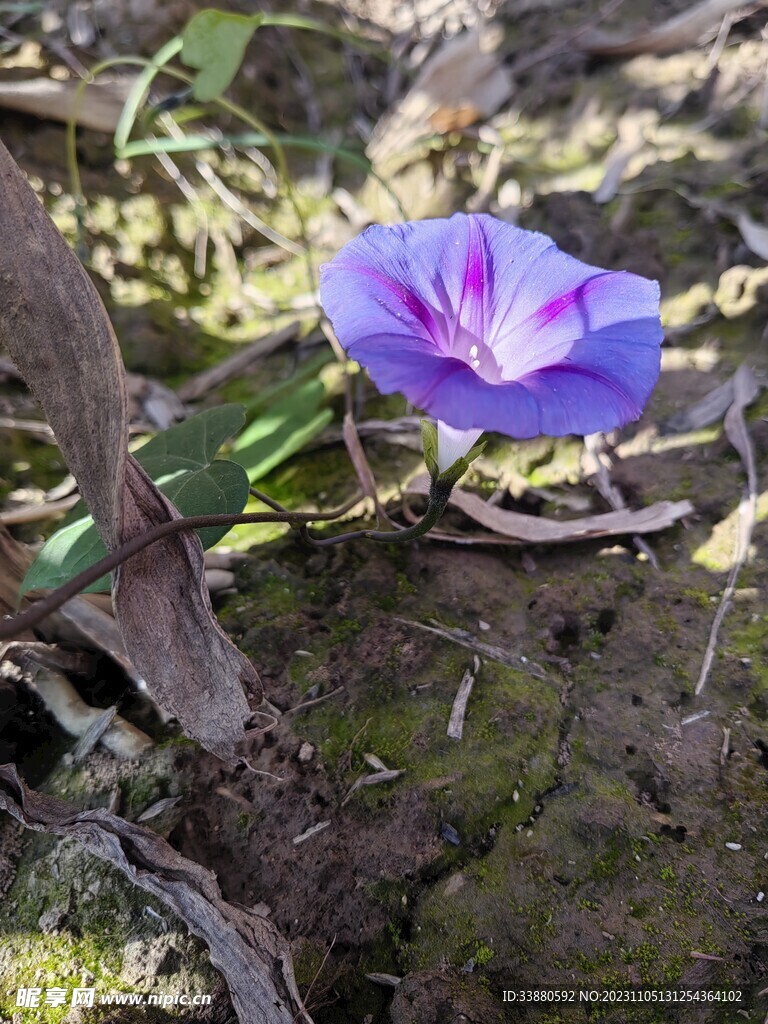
(57, 332)
(509, 527)
(745, 391)
(243, 945)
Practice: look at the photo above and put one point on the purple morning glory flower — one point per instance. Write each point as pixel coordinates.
(486, 326)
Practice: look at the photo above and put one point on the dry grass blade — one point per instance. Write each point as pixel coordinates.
(247, 949)
(385, 980)
(236, 365)
(360, 462)
(373, 780)
(58, 334)
(465, 639)
(321, 826)
(677, 33)
(745, 390)
(94, 733)
(459, 709)
(38, 429)
(158, 808)
(33, 513)
(522, 529)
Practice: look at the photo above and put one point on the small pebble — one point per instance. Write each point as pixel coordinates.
(449, 833)
(485, 626)
(733, 846)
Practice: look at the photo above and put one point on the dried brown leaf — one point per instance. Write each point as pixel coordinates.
(461, 83)
(389, 775)
(99, 108)
(54, 326)
(683, 30)
(247, 949)
(745, 390)
(522, 529)
(755, 235)
(709, 409)
(58, 333)
(197, 674)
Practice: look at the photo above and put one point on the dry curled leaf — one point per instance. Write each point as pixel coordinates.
(461, 83)
(755, 235)
(58, 333)
(523, 529)
(676, 33)
(745, 391)
(98, 108)
(389, 775)
(246, 947)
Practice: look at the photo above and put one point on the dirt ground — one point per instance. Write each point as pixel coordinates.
(598, 825)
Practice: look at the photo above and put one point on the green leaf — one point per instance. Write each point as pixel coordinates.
(69, 551)
(281, 431)
(220, 488)
(180, 461)
(190, 445)
(214, 43)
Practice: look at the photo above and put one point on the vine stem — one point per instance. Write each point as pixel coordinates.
(439, 493)
(13, 625)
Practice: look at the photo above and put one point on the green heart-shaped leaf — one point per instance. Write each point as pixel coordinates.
(214, 44)
(180, 461)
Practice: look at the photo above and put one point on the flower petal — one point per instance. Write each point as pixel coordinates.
(488, 326)
(453, 444)
(625, 303)
(396, 279)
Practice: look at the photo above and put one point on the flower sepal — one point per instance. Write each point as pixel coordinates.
(450, 476)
